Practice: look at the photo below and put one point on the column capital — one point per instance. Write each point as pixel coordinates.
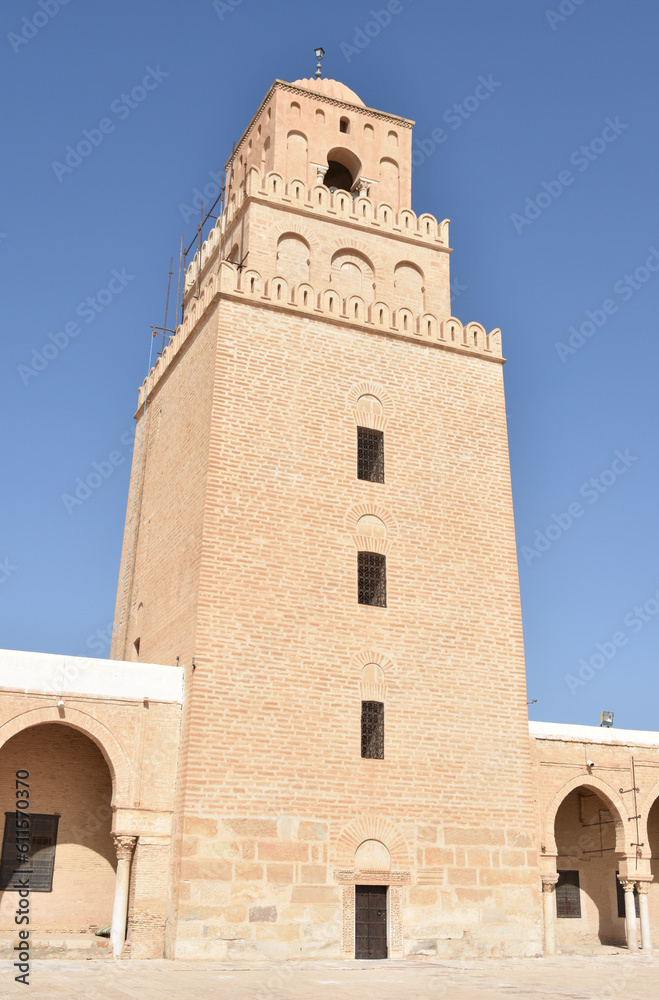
(642, 885)
(627, 884)
(124, 845)
(549, 882)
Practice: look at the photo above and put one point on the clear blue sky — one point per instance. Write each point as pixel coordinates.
(554, 82)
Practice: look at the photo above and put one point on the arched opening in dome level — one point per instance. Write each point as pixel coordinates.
(343, 169)
(338, 177)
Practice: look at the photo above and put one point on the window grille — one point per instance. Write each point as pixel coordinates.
(372, 579)
(373, 729)
(370, 455)
(40, 856)
(620, 893)
(568, 897)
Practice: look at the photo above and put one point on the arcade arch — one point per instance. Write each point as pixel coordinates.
(69, 779)
(585, 849)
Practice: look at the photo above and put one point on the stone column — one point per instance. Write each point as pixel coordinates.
(630, 915)
(549, 912)
(124, 846)
(646, 936)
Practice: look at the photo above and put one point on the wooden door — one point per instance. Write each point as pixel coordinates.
(370, 921)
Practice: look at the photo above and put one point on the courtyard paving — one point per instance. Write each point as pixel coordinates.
(566, 977)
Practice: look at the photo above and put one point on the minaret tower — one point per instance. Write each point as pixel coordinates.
(320, 529)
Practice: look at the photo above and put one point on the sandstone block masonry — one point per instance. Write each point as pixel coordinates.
(320, 303)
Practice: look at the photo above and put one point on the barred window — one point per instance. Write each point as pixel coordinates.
(35, 864)
(373, 729)
(370, 455)
(568, 897)
(620, 893)
(372, 579)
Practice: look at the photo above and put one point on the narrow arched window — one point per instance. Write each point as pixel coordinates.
(372, 579)
(373, 729)
(370, 455)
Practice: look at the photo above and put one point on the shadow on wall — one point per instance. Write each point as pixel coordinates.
(69, 778)
(586, 894)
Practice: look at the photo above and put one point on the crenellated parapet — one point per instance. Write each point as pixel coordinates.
(361, 212)
(226, 281)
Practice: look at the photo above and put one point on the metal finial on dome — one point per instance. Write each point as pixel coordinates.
(319, 56)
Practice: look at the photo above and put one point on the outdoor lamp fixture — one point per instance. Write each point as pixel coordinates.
(606, 719)
(319, 56)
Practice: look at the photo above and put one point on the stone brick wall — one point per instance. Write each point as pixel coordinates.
(262, 392)
(280, 638)
(165, 531)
